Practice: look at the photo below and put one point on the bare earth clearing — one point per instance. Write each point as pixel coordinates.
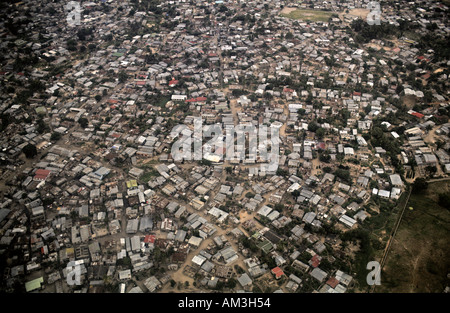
(360, 12)
(287, 10)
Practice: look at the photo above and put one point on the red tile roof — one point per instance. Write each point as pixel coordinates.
(423, 58)
(278, 272)
(149, 239)
(332, 282)
(41, 174)
(173, 82)
(315, 261)
(417, 114)
(198, 99)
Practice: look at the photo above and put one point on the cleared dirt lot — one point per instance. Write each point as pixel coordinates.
(287, 10)
(362, 13)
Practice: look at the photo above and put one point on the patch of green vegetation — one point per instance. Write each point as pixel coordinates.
(419, 258)
(309, 15)
(148, 174)
(364, 255)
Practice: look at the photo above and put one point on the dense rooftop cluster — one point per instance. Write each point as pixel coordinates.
(87, 111)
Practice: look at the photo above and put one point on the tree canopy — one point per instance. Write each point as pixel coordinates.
(30, 151)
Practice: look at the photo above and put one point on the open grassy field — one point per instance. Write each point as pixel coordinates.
(306, 15)
(419, 259)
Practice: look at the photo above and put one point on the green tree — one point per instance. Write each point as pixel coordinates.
(282, 172)
(343, 174)
(6, 119)
(431, 169)
(419, 185)
(83, 122)
(295, 193)
(325, 157)
(30, 151)
(320, 133)
(71, 45)
(249, 195)
(205, 162)
(55, 136)
(444, 200)
(231, 283)
(41, 126)
(313, 126)
(123, 76)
